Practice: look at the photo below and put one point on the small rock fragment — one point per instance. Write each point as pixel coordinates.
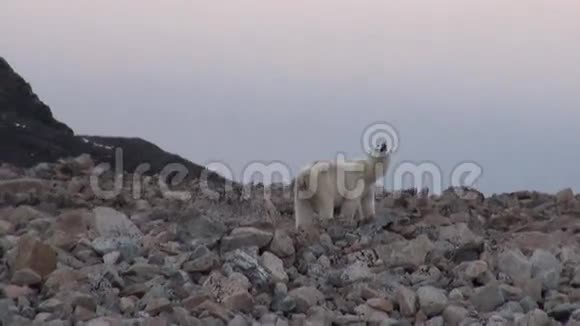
(26, 276)
(306, 297)
(275, 266)
(243, 237)
(488, 298)
(407, 301)
(35, 255)
(432, 300)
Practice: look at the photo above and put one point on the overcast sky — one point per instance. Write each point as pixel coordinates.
(493, 82)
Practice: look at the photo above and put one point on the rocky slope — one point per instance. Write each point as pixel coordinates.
(30, 134)
(70, 257)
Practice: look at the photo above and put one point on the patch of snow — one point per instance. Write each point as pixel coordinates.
(87, 141)
(103, 146)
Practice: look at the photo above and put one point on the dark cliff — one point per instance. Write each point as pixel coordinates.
(30, 134)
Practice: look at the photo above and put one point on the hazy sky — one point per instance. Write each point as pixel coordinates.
(489, 81)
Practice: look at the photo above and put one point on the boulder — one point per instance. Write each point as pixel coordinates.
(34, 255)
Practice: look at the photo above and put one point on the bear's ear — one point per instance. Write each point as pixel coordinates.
(380, 150)
(383, 148)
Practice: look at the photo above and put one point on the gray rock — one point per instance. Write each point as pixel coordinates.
(51, 305)
(576, 279)
(238, 320)
(497, 320)
(472, 270)
(456, 295)
(7, 311)
(466, 252)
(158, 305)
(283, 303)
(241, 301)
(406, 253)
(488, 298)
(531, 288)
(60, 322)
(575, 315)
(26, 276)
(511, 293)
(432, 300)
(563, 311)
(111, 258)
(201, 260)
(470, 322)
(247, 262)
(536, 317)
(546, 268)
(570, 255)
(306, 297)
(84, 300)
(275, 266)
(509, 309)
(280, 289)
(454, 315)
(370, 315)
(426, 276)
(7, 173)
(282, 245)
(391, 322)
(457, 234)
(23, 214)
(211, 321)
(246, 237)
(143, 271)
(553, 299)
(407, 301)
(127, 247)
(23, 185)
(356, 272)
(116, 233)
(514, 264)
(35, 255)
(197, 229)
(528, 304)
(184, 318)
(110, 223)
(127, 304)
(436, 321)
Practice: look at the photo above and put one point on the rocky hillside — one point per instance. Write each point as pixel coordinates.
(30, 134)
(70, 257)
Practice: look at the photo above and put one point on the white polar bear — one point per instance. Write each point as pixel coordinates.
(325, 185)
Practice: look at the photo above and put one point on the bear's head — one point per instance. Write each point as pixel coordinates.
(380, 150)
(378, 160)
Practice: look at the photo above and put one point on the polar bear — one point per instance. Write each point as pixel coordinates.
(322, 186)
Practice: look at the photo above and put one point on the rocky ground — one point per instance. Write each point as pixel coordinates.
(70, 257)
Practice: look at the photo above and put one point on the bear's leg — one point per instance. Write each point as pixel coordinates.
(326, 207)
(303, 212)
(350, 208)
(368, 206)
(359, 212)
